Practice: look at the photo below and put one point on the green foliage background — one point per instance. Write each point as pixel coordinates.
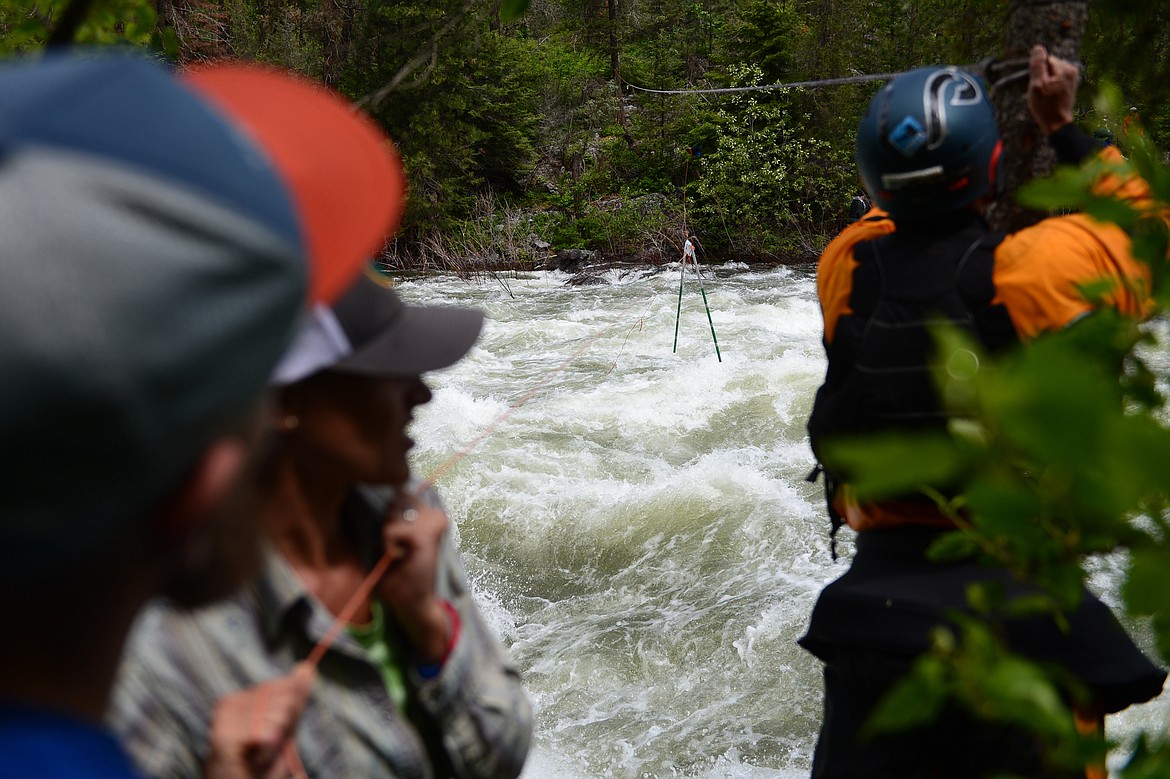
(500, 105)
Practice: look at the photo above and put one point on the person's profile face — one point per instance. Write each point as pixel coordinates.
(355, 427)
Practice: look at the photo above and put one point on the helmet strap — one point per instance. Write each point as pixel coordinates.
(995, 176)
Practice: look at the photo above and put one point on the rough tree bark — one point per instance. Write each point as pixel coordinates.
(1059, 26)
(614, 48)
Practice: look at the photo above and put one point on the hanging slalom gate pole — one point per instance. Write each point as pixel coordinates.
(678, 313)
(688, 251)
(682, 266)
(709, 320)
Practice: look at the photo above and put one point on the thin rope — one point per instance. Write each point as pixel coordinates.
(710, 321)
(764, 87)
(375, 575)
(355, 602)
(683, 264)
(641, 321)
(292, 761)
(979, 67)
(504, 415)
(1018, 75)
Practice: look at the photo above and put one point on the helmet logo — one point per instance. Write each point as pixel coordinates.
(946, 87)
(963, 89)
(908, 137)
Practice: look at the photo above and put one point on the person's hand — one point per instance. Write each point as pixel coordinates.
(250, 728)
(413, 534)
(1052, 89)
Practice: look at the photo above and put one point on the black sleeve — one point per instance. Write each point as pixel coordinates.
(1071, 145)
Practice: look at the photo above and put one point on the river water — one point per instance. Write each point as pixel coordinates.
(639, 531)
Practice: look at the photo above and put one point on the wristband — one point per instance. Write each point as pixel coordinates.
(431, 670)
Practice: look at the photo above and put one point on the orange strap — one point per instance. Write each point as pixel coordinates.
(1091, 723)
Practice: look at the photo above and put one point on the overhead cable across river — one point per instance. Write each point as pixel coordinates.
(986, 66)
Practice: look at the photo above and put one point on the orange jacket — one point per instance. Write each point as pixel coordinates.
(1036, 273)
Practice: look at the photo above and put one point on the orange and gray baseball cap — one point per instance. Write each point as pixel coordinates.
(370, 331)
(161, 233)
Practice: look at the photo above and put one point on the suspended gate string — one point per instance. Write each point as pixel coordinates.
(698, 272)
(988, 66)
(825, 82)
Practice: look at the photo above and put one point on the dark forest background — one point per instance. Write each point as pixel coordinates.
(525, 137)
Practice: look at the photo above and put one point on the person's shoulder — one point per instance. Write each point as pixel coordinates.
(178, 662)
(874, 224)
(165, 636)
(1054, 237)
(32, 740)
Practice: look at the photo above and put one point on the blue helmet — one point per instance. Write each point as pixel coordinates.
(928, 142)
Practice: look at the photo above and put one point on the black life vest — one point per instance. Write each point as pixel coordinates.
(879, 374)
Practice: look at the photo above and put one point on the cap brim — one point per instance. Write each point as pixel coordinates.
(343, 174)
(422, 339)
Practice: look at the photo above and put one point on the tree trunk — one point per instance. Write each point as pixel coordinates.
(614, 49)
(1059, 26)
(336, 30)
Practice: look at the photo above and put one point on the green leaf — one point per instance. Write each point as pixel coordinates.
(1024, 695)
(1065, 581)
(1029, 605)
(1147, 587)
(1053, 421)
(1110, 210)
(30, 28)
(1148, 761)
(892, 465)
(1001, 509)
(167, 42)
(1137, 459)
(914, 700)
(985, 597)
(952, 546)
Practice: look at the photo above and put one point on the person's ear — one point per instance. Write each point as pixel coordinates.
(181, 521)
(207, 534)
(284, 415)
